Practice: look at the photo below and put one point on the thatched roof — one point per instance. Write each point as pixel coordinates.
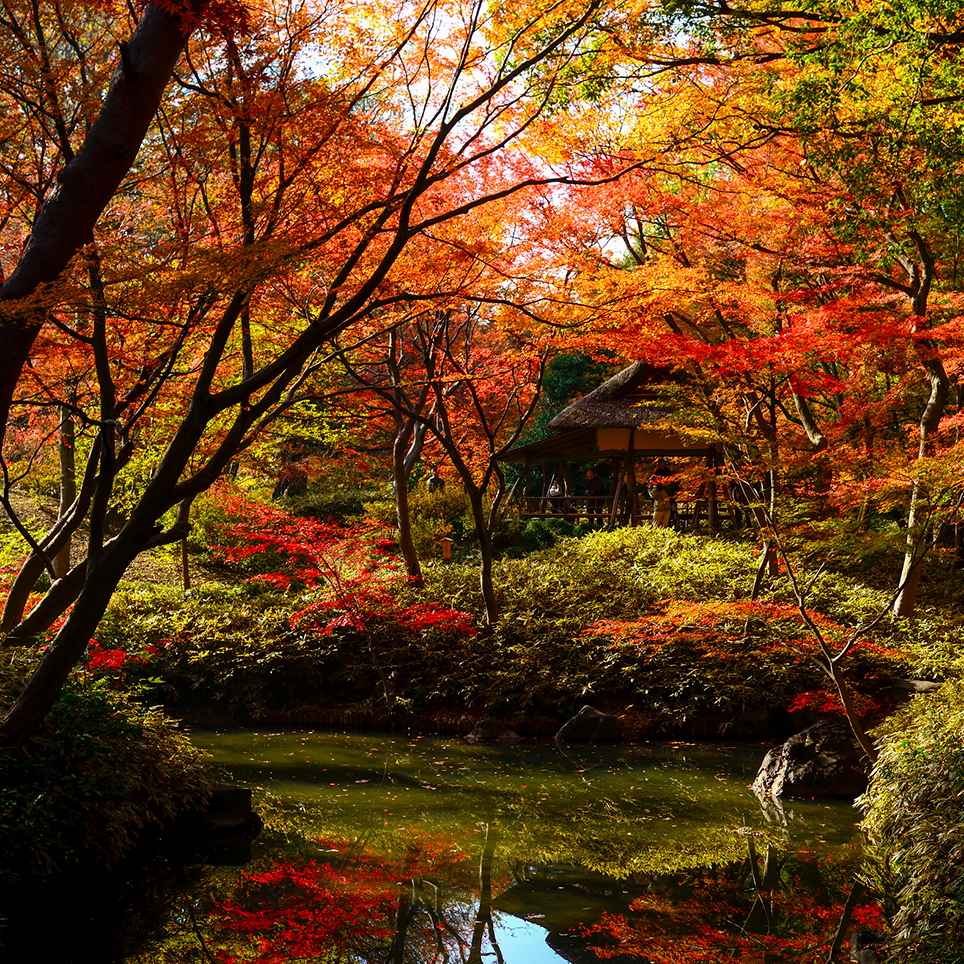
(624, 401)
(612, 420)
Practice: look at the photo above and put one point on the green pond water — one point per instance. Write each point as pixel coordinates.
(387, 848)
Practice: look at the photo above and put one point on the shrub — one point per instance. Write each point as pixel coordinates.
(100, 769)
(342, 505)
(216, 644)
(656, 618)
(435, 515)
(914, 815)
(636, 616)
(519, 537)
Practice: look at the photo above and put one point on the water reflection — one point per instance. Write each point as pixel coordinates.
(425, 905)
(395, 851)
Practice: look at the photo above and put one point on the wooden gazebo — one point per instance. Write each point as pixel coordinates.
(619, 421)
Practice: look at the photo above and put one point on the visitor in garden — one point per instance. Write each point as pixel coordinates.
(436, 483)
(594, 497)
(666, 476)
(556, 503)
(662, 502)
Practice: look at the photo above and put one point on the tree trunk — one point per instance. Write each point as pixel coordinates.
(66, 220)
(487, 554)
(68, 486)
(853, 717)
(19, 593)
(403, 512)
(46, 682)
(910, 571)
(906, 600)
(185, 566)
(921, 278)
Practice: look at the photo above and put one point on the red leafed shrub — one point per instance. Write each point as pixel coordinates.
(825, 701)
(104, 661)
(740, 651)
(364, 609)
(354, 567)
(107, 659)
(286, 552)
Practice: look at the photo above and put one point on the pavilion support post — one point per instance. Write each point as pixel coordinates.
(712, 509)
(698, 504)
(567, 504)
(631, 478)
(619, 485)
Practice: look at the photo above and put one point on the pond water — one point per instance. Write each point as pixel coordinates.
(394, 849)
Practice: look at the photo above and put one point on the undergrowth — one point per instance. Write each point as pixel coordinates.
(649, 619)
(101, 768)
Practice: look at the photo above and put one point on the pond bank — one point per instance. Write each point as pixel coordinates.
(765, 724)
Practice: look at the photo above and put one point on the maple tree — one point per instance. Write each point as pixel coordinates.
(405, 370)
(290, 197)
(473, 384)
(82, 160)
(806, 279)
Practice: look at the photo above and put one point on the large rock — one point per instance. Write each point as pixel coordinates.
(491, 731)
(904, 690)
(590, 726)
(822, 761)
(865, 946)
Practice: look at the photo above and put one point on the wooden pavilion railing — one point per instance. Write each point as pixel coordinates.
(575, 509)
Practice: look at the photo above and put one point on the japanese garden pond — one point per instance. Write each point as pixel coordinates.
(425, 849)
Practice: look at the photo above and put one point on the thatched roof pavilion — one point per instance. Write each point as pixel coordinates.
(620, 420)
(612, 420)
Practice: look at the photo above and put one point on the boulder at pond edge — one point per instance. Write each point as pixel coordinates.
(823, 760)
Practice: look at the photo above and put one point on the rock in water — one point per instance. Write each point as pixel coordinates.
(823, 760)
(489, 731)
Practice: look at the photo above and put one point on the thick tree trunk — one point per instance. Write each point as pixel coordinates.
(66, 220)
(403, 511)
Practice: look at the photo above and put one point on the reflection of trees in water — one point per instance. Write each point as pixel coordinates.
(351, 903)
(483, 916)
(450, 925)
(429, 904)
(787, 906)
